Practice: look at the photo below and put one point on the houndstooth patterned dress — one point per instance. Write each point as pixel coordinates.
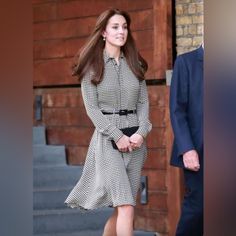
(112, 178)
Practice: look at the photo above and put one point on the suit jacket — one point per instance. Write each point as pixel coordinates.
(186, 105)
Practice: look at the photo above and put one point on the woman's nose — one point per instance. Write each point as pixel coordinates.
(121, 30)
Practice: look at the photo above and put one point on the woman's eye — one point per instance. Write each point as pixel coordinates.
(117, 27)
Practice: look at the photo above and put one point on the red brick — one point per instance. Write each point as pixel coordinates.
(64, 29)
(157, 116)
(54, 72)
(151, 220)
(66, 117)
(157, 200)
(76, 154)
(156, 138)
(156, 159)
(69, 135)
(156, 179)
(82, 8)
(45, 12)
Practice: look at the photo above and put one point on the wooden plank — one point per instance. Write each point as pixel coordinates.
(157, 116)
(74, 9)
(157, 201)
(162, 57)
(143, 39)
(45, 12)
(174, 182)
(151, 221)
(58, 71)
(69, 135)
(156, 138)
(62, 98)
(156, 179)
(156, 159)
(76, 154)
(60, 48)
(54, 72)
(64, 29)
(66, 117)
(49, 49)
(158, 96)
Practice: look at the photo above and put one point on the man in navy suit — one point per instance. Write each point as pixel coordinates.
(186, 112)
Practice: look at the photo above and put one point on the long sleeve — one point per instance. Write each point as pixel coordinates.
(179, 100)
(102, 124)
(145, 125)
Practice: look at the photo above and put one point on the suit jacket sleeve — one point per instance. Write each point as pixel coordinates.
(90, 98)
(179, 99)
(145, 125)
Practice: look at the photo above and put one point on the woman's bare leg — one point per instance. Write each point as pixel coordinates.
(125, 219)
(110, 226)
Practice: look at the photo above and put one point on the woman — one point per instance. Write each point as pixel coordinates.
(115, 97)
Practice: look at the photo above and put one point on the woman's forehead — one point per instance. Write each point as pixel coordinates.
(117, 19)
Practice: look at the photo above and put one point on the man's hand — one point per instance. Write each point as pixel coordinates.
(191, 160)
(123, 144)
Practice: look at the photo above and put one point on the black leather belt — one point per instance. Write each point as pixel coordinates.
(120, 112)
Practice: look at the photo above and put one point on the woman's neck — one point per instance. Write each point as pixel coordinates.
(113, 52)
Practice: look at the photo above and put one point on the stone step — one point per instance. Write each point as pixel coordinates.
(49, 155)
(56, 177)
(97, 233)
(39, 135)
(69, 220)
(50, 198)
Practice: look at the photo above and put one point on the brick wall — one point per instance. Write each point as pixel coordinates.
(189, 24)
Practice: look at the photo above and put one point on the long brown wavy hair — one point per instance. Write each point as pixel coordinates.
(90, 57)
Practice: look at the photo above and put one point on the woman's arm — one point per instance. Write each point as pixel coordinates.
(100, 121)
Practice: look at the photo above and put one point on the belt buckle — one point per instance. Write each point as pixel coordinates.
(123, 112)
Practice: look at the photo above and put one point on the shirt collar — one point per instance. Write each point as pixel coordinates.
(108, 58)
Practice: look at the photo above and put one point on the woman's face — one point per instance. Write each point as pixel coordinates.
(116, 31)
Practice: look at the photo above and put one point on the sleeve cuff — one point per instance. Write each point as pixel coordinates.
(116, 134)
(143, 130)
(186, 149)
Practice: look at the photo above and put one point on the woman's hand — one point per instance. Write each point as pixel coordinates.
(136, 141)
(124, 144)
